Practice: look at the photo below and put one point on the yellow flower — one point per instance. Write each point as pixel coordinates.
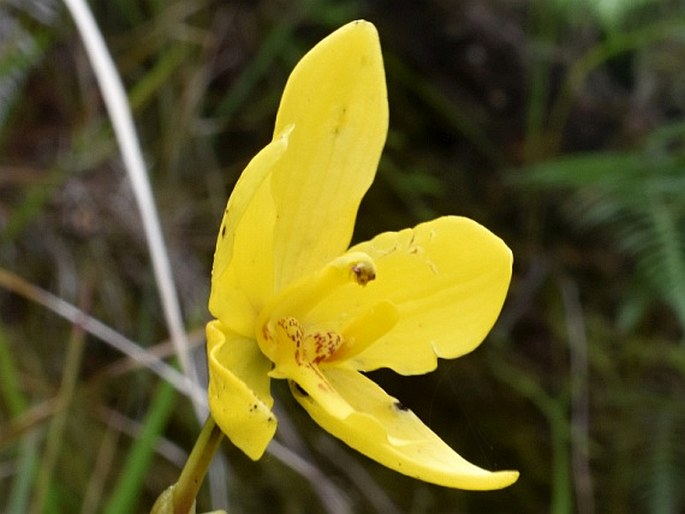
(292, 302)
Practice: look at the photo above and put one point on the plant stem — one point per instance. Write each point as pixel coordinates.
(195, 469)
(180, 497)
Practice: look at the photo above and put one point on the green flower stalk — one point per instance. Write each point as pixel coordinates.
(180, 497)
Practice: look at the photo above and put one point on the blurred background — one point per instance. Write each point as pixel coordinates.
(559, 125)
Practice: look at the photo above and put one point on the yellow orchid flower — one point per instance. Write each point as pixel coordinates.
(292, 302)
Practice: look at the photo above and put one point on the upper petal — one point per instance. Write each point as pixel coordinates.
(239, 396)
(447, 279)
(337, 102)
(382, 429)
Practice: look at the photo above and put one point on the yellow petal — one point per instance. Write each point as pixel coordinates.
(382, 429)
(447, 279)
(239, 397)
(242, 271)
(337, 102)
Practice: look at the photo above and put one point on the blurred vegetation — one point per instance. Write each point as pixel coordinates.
(559, 125)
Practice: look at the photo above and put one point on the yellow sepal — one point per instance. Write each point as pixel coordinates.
(238, 392)
(385, 431)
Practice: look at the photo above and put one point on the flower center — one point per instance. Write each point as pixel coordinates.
(285, 337)
(306, 348)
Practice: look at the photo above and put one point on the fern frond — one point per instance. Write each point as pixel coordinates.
(669, 269)
(635, 196)
(665, 469)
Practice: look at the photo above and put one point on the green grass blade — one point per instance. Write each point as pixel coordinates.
(126, 492)
(27, 463)
(10, 392)
(273, 46)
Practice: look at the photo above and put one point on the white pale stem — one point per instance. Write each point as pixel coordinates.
(115, 99)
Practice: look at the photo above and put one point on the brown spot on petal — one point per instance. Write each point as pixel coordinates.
(400, 406)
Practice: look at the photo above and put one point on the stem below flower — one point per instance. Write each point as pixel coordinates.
(180, 497)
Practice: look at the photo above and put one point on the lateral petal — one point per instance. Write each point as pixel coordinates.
(239, 396)
(336, 99)
(242, 273)
(447, 278)
(385, 431)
